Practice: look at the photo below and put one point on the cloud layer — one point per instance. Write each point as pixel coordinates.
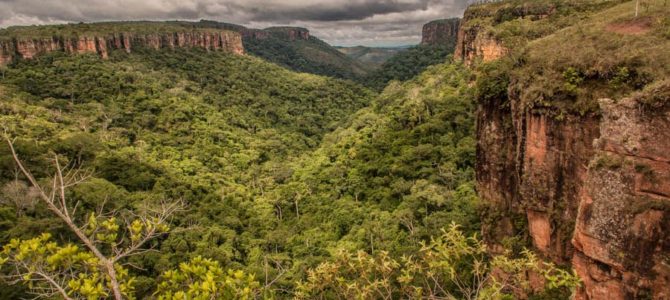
(340, 22)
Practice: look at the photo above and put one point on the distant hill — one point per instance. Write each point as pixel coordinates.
(290, 47)
(296, 49)
(372, 57)
(437, 43)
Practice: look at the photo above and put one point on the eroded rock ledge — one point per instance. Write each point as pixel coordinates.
(28, 47)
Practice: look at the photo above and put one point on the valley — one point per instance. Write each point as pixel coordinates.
(519, 152)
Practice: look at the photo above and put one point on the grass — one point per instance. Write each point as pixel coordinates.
(581, 51)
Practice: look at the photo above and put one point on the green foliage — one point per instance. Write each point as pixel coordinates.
(654, 96)
(96, 29)
(39, 261)
(569, 54)
(280, 169)
(450, 266)
(493, 81)
(311, 56)
(205, 279)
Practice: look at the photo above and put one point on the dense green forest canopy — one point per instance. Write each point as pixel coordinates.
(408, 63)
(209, 128)
(312, 55)
(300, 182)
(273, 165)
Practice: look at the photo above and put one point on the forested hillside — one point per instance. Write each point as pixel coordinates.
(409, 63)
(278, 171)
(310, 55)
(210, 129)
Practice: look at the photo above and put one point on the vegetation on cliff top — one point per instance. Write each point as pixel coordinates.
(566, 55)
(97, 29)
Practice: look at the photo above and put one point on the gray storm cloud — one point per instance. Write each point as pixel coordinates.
(340, 22)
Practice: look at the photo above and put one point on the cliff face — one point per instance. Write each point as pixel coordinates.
(593, 191)
(288, 33)
(27, 47)
(440, 32)
(473, 44)
(531, 169)
(621, 234)
(590, 190)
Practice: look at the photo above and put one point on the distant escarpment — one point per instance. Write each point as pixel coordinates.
(289, 33)
(294, 48)
(440, 32)
(29, 42)
(573, 131)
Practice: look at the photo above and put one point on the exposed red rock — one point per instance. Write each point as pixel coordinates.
(472, 45)
(27, 48)
(594, 190)
(624, 213)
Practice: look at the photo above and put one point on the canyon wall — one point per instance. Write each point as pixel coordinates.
(440, 32)
(588, 191)
(472, 44)
(28, 47)
(622, 236)
(288, 33)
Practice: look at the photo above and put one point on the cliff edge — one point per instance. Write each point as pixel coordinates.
(101, 38)
(573, 127)
(440, 32)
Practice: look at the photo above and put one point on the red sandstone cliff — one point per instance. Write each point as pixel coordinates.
(27, 47)
(592, 191)
(440, 32)
(473, 44)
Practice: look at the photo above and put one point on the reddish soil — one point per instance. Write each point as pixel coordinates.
(632, 27)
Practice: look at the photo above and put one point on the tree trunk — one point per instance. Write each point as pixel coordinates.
(116, 289)
(637, 7)
(297, 211)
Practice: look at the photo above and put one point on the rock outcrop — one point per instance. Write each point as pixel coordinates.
(289, 33)
(26, 47)
(472, 44)
(621, 235)
(588, 190)
(592, 191)
(440, 32)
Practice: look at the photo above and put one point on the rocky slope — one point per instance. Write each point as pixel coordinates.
(570, 158)
(13, 46)
(440, 32)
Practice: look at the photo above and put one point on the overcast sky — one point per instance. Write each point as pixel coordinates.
(339, 22)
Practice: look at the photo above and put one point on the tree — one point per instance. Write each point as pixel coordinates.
(18, 194)
(204, 279)
(95, 270)
(450, 266)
